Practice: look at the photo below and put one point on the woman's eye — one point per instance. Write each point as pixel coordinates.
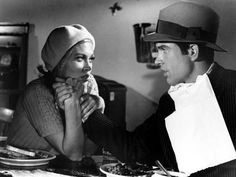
(92, 58)
(79, 59)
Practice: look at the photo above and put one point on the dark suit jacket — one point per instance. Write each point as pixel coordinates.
(150, 140)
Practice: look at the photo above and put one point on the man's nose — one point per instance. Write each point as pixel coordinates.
(157, 58)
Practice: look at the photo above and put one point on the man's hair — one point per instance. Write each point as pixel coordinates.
(205, 53)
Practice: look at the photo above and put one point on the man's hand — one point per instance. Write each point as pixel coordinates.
(89, 103)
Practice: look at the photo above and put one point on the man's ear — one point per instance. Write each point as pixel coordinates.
(193, 51)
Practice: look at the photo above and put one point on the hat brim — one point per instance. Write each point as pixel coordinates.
(157, 37)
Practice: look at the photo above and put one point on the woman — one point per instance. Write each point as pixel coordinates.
(40, 122)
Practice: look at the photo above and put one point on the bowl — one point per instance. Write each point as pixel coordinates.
(111, 170)
(123, 170)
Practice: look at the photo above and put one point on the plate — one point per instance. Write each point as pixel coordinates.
(28, 162)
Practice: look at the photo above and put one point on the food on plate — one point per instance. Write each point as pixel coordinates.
(127, 169)
(20, 151)
(12, 153)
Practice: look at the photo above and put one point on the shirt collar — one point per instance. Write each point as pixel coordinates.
(210, 68)
(186, 85)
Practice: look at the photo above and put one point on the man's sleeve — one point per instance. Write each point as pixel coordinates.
(126, 146)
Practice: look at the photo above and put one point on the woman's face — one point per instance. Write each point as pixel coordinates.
(78, 61)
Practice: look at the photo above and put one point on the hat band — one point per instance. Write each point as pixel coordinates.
(178, 31)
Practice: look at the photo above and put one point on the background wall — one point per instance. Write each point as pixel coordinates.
(115, 50)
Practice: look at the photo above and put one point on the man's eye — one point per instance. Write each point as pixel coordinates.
(162, 49)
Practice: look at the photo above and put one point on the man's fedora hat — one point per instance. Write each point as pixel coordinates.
(187, 22)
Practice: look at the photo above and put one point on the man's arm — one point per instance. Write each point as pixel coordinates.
(126, 146)
(147, 143)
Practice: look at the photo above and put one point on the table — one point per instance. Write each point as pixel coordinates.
(88, 167)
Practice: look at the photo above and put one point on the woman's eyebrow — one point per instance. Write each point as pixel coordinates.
(92, 56)
(79, 55)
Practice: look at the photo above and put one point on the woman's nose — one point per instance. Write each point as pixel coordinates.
(87, 67)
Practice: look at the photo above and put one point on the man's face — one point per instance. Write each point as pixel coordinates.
(177, 67)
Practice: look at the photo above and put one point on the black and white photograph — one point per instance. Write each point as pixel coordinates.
(123, 88)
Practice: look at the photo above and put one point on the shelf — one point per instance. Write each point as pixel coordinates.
(10, 91)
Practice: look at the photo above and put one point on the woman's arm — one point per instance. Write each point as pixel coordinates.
(71, 141)
(64, 93)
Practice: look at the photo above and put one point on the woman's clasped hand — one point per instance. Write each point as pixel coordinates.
(67, 88)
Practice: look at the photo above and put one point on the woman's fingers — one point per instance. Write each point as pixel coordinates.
(63, 91)
(61, 101)
(62, 96)
(60, 88)
(58, 84)
(76, 84)
(69, 81)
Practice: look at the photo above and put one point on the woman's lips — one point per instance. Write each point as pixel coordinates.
(85, 77)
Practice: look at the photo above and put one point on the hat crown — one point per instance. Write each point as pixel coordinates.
(187, 22)
(189, 14)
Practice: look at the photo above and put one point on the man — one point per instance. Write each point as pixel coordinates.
(193, 129)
